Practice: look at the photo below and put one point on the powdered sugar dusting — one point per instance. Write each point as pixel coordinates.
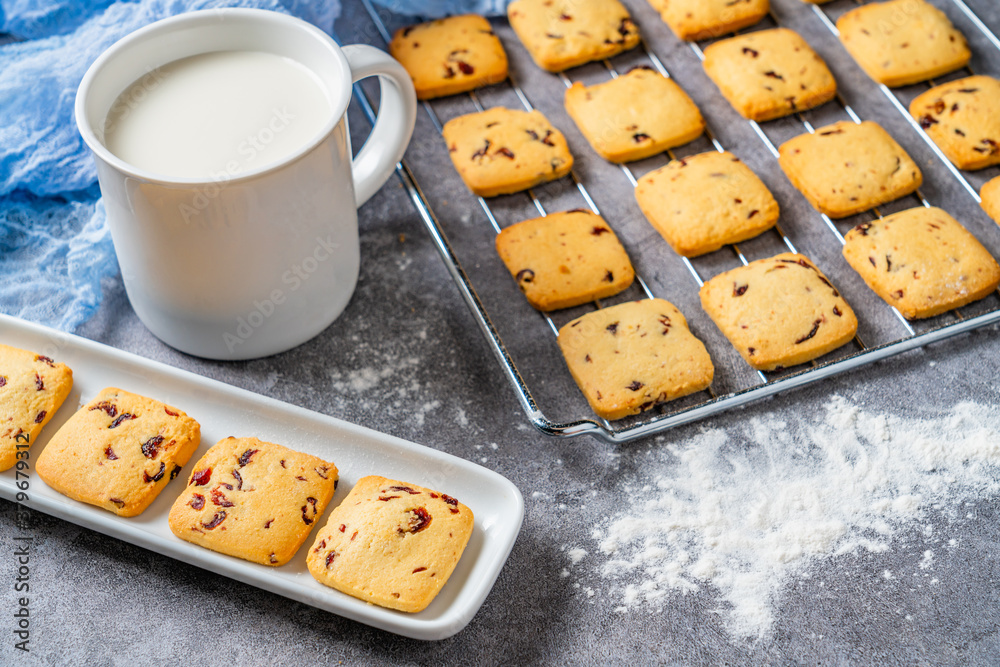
(743, 518)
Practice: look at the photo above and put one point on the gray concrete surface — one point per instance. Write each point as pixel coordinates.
(406, 358)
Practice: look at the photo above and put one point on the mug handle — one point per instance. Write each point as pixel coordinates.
(394, 124)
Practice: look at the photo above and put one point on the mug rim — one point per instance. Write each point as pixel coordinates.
(189, 20)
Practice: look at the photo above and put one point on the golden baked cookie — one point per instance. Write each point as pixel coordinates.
(628, 358)
(560, 34)
(32, 387)
(639, 114)
(991, 199)
(391, 543)
(450, 55)
(779, 312)
(903, 41)
(704, 19)
(565, 259)
(922, 261)
(847, 168)
(769, 74)
(963, 118)
(501, 151)
(119, 451)
(706, 201)
(253, 499)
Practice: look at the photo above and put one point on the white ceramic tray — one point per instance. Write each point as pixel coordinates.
(222, 411)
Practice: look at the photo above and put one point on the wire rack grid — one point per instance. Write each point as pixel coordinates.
(665, 418)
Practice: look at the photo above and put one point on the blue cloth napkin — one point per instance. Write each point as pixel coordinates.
(437, 8)
(55, 247)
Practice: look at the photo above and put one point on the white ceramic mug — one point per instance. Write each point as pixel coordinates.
(248, 266)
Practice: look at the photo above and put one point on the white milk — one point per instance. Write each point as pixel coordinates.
(217, 115)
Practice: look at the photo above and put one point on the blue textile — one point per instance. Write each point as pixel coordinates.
(55, 247)
(437, 8)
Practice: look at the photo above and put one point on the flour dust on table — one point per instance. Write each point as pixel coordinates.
(744, 511)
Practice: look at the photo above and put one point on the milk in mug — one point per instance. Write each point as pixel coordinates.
(217, 115)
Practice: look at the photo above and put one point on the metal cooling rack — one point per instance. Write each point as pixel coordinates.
(666, 418)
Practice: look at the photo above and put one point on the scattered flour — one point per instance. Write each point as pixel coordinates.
(746, 517)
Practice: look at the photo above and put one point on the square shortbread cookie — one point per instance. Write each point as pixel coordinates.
(628, 358)
(922, 261)
(704, 19)
(847, 168)
(391, 543)
(779, 312)
(902, 41)
(501, 151)
(560, 34)
(769, 74)
(706, 201)
(119, 451)
(963, 118)
(639, 114)
(253, 499)
(32, 387)
(991, 199)
(565, 259)
(450, 55)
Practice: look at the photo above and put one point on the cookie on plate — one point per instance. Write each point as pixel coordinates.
(963, 118)
(639, 114)
(119, 451)
(706, 201)
(560, 34)
(991, 199)
(32, 387)
(903, 41)
(628, 358)
(779, 312)
(450, 55)
(391, 543)
(922, 261)
(253, 499)
(565, 259)
(501, 151)
(847, 168)
(693, 20)
(769, 74)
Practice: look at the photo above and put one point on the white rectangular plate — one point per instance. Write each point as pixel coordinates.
(223, 410)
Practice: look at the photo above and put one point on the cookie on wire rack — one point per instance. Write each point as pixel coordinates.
(922, 261)
(703, 202)
(631, 357)
(450, 55)
(693, 20)
(848, 167)
(560, 34)
(565, 259)
(769, 74)
(900, 42)
(990, 195)
(963, 118)
(502, 151)
(638, 114)
(779, 312)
